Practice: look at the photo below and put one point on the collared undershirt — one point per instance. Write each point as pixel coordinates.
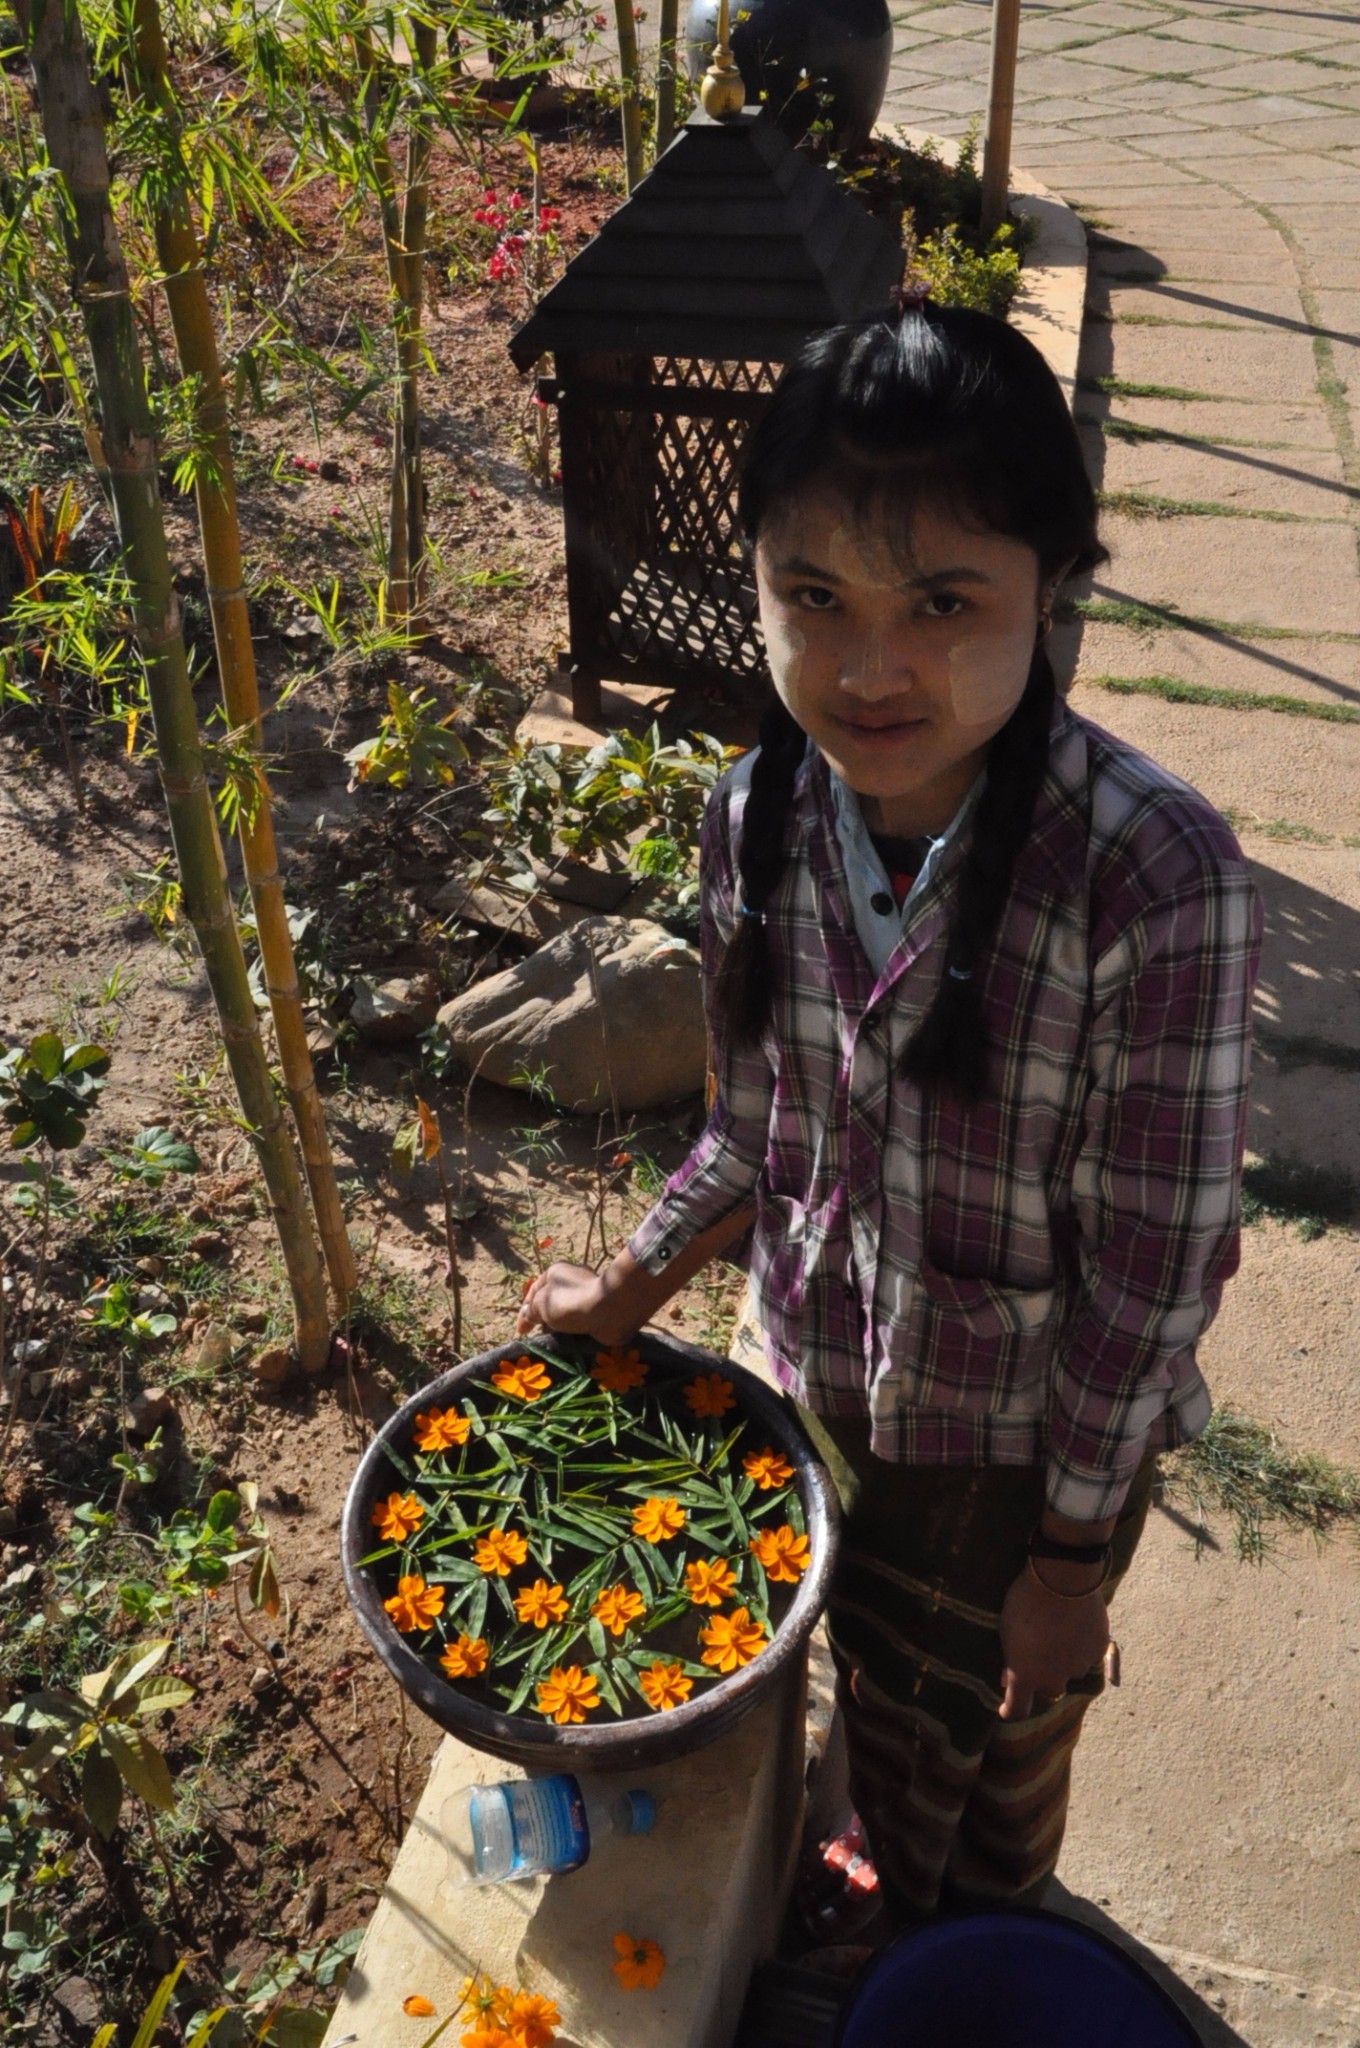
(882, 888)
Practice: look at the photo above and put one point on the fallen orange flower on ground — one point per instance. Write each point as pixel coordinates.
(532, 2021)
(417, 2008)
(640, 1963)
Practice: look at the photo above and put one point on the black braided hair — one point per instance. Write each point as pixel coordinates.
(940, 407)
(744, 973)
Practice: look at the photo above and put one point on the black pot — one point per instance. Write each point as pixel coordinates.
(844, 46)
(529, 1740)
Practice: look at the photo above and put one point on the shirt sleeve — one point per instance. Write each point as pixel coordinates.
(721, 1171)
(1157, 1186)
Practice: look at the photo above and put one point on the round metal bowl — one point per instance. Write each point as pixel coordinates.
(651, 1739)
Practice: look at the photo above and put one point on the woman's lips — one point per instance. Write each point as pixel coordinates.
(866, 728)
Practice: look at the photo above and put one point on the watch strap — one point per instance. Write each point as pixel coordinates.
(1068, 1553)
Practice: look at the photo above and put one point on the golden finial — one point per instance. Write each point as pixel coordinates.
(721, 92)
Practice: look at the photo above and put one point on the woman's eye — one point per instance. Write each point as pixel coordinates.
(944, 605)
(814, 597)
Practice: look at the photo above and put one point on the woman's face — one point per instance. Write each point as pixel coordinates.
(900, 663)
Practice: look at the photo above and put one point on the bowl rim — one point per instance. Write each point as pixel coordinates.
(488, 1727)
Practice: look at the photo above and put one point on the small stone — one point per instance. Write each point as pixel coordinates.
(261, 1678)
(273, 1368)
(151, 1268)
(9, 1519)
(38, 1383)
(391, 1011)
(78, 2003)
(276, 1649)
(330, 472)
(74, 1380)
(313, 1909)
(29, 1352)
(154, 1301)
(199, 1212)
(148, 1409)
(23, 1575)
(253, 1320)
(216, 1349)
(208, 1244)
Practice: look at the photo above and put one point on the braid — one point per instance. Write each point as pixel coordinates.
(743, 987)
(950, 1047)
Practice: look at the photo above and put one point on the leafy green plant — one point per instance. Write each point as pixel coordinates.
(414, 747)
(112, 1312)
(984, 280)
(49, 1090)
(154, 1154)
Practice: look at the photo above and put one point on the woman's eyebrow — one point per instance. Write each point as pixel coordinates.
(799, 565)
(938, 576)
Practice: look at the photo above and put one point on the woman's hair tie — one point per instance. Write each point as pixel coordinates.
(960, 974)
(910, 298)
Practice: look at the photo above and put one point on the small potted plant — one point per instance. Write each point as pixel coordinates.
(568, 1554)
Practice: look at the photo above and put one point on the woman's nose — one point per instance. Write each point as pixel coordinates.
(876, 665)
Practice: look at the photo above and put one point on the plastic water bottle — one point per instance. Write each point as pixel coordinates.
(533, 1827)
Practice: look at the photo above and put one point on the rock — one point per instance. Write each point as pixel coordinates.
(542, 1013)
(253, 1320)
(154, 1301)
(209, 1244)
(200, 1212)
(261, 1678)
(30, 1351)
(394, 1010)
(216, 1349)
(273, 1368)
(74, 1380)
(148, 1409)
(151, 1268)
(78, 2003)
(38, 1383)
(9, 1519)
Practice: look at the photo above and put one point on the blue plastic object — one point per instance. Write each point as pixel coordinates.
(1009, 1980)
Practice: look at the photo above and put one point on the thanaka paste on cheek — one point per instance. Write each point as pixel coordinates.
(987, 675)
(785, 647)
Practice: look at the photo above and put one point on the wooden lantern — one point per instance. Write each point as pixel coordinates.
(668, 331)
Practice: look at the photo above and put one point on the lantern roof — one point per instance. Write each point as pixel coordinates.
(734, 247)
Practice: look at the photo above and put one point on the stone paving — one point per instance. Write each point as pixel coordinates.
(1214, 153)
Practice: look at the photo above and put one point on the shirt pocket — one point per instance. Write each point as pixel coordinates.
(977, 1346)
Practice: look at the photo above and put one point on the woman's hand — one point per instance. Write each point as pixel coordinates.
(571, 1299)
(1046, 1641)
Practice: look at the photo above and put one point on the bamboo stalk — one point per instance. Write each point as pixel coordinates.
(666, 75)
(996, 153)
(181, 261)
(415, 210)
(630, 81)
(74, 130)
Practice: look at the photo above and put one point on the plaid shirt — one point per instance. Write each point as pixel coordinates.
(1022, 1280)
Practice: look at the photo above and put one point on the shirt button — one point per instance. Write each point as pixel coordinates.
(882, 903)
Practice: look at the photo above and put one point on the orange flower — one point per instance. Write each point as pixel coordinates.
(541, 1603)
(397, 1517)
(525, 1380)
(485, 2035)
(656, 1520)
(467, 1658)
(639, 1965)
(485, 1998)
(769, 1468)
(439, 1429)
(417, 2008)
(415, 1605)
(665, 1685)
(783, 1555)
(618, 1372)
(568, 1694)
(732, 1640)
(709, 1585)
(617, 1606)
(711, 1394)
(498, 1550)
(530, 2020)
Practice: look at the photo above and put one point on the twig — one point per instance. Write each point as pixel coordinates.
(176, 1904)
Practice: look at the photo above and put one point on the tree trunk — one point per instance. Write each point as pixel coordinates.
(74, 131)
(667, 58)
(415, 209)
(630, 81)
(186, 289)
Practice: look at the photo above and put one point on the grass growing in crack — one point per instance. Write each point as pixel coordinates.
(1286, 829)
(1172, 690)
(1120, 387)
(1242, 1468)
(1292, 1191)
(1156, 618)
(1147, 505)
(1161, 320)
(1297, 1049)
(1133, 430)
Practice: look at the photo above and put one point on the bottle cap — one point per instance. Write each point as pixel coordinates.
(641, 1812)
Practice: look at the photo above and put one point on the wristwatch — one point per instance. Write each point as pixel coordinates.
(1067, 1553)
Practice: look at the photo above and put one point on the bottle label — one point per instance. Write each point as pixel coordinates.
(539, 1824)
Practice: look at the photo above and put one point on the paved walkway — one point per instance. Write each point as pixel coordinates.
(1214, 152)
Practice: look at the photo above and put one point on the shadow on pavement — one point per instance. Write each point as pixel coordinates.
(1214, 2031)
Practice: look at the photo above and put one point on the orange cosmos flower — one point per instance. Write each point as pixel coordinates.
(525, 1380)
(783, 1555)
(467, 1658)
(769, 1468)
(640, 1963)
(531, 2021)
(732, 1640)
(417, 2008)
(617, 1606)
(656, 1520)
(709, 1585)
(439, 1429)
(415, 1605)
(486, 2035)
(618, 1372)
(498, 1550)
(397, 1517)
(485, 1998)
(711, 1394)
(568, 1694)
(541, 1603)
(665, 1685)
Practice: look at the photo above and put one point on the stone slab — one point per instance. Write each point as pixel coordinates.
(1316, 671)
(1263, 768)
(1242, 570)
(1156, 54)
(1216, 143)
(1265, 307)
(1216, 1805)
(1279, 74)
(708, 1885)
(1321, 132)
(1273, 428)
(1260, 111)
(1309, 1112)
(1241, 478)
(1274, 366)
(1235, 34)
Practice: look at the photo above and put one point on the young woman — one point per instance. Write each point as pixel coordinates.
(979, 980)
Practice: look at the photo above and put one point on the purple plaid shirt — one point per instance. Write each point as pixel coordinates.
(1023, 1280)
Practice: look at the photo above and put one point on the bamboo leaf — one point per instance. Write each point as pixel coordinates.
(600, 1673)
